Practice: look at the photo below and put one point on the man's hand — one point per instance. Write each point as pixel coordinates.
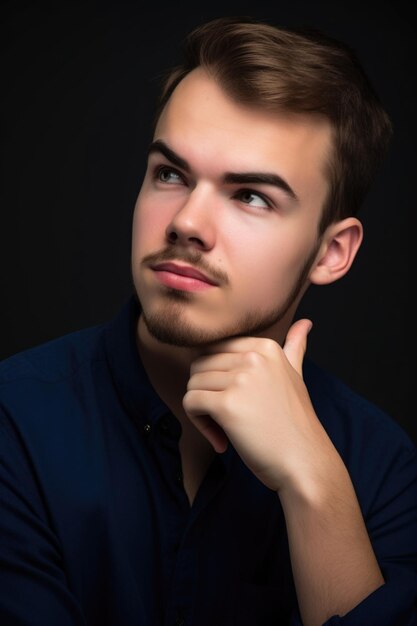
(251, 391)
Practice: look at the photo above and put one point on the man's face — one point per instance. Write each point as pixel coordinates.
(235, 194)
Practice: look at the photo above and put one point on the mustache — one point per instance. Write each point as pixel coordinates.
(191, 257)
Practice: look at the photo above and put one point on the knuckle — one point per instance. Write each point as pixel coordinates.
(187, 401)
(241, 379)
(271, 347)
(190, 383)
(193, 382)
(252, 358)
(228, 404)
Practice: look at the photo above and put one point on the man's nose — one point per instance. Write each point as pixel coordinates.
(194, 222)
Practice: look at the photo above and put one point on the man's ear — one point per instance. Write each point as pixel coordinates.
(341, 241)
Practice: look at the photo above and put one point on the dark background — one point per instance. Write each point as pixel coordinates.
(78, 86)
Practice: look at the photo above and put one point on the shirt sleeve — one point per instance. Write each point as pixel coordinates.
(392, 528)
(33, 586)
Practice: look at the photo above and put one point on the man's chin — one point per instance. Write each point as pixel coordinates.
(174, 330)
(179, 333)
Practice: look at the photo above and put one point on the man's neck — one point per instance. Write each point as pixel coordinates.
(168, 369)
(167, 366)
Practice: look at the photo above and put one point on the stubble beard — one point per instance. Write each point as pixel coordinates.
(169, 326)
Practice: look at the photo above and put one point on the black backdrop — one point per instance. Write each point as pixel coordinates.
(78, 83)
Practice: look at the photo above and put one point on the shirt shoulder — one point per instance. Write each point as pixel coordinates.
(346, 414)
(53, 360)
(43, 387)
(50, 397)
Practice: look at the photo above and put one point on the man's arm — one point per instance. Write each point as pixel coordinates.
(33, 585)
(254, 392)
(333, 563)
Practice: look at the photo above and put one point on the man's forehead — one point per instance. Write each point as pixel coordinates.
(202, 87)
(199, 110)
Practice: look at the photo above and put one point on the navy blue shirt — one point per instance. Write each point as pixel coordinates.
(96, 528)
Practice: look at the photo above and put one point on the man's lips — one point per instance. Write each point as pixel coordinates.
(183, 270)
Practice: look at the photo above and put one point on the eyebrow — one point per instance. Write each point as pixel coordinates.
(173, 157)
(239, 178)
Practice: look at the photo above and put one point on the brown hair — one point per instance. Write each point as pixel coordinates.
(302, 72)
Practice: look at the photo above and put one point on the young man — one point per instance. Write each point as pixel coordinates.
(183, 464)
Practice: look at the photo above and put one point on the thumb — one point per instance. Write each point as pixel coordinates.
(296, 343)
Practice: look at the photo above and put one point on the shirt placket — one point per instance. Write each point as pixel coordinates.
(183, 523)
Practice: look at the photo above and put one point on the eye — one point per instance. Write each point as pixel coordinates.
(167, 175)
(247, 196)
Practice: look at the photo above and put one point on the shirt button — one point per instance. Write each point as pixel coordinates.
(147, 429)
(179, 477)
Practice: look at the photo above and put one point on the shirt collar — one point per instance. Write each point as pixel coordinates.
(135, 390)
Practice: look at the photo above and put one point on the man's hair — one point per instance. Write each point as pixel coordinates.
(297, 71)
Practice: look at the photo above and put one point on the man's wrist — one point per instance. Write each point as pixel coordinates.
(317, 487)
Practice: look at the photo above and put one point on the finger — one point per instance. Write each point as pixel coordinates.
(212, 432)
(262, 345)
(233, 346)
(216, 362)
(209, 381)
(296, 343)
(204, 422)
